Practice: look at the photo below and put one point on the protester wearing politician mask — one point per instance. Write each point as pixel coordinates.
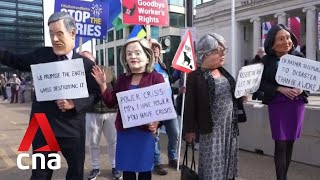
(66, 116)
(212, 110)
(135, 146)
(286, 105)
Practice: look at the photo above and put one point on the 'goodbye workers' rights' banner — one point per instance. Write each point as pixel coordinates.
(90, 15)
(145, 12)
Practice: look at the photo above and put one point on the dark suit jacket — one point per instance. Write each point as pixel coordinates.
(124, 84)
(197, 114)
(64, 124)
(268, 83)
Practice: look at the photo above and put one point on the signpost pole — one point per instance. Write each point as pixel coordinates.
(148, 30)
(189, 14)
(80, 44)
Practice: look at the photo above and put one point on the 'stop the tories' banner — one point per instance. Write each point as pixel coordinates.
(91, 16)
(145, 12)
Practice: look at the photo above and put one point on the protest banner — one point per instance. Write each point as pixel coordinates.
(145, 105)
(248, 81)
(91, 16)
(294, 71)
(60, 80)
(145, 12)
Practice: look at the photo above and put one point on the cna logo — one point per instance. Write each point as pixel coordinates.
(40, 120)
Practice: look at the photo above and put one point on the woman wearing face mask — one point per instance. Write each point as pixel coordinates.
(212, 110)
(135, 146)
(286, 105)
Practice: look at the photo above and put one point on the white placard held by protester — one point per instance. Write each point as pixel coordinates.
(145, 105)
(302, 73)
(249, 78)
(60, 80)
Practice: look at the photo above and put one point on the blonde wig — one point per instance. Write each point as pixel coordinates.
(146, 49)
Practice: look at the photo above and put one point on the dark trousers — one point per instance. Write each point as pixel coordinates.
(132, 175)
(282, 158)
(22, 96)
(73, 150)
(14, 93)
(4, 92)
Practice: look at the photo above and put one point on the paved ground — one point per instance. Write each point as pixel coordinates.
(14, 120)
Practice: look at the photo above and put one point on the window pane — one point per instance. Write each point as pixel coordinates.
(31, 36)
(7, 36)
(8, 4)
(29, 44)
(30, 30)
(120, 69)
(196, 2)
(30, 7)
(12, 43)
(176, 2)
(29, 14)
(7, 28)
(97, 56)
(110, 36)
(7, 20)
(177, 20)
(119, 34)
(31, 1)
(30, 22)
(111, 56)
(101, 57)
(7, 12)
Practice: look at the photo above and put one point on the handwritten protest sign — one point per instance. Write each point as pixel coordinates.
(298, 72)
(145, 12)
(60, 80)
(146, 105)
(248, 80)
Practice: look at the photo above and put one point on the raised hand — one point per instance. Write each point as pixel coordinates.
(153, 126)
(65, 104)
(189, 137)
(99, 75)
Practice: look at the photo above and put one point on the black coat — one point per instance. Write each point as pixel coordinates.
(268, 83)
(64, 124)
(197, 115)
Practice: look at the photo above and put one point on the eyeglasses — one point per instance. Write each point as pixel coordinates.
(218, 51)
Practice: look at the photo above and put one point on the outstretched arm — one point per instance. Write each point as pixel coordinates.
(20, 62)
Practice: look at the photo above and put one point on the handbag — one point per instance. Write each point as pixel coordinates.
(188, 173)
(242, 117)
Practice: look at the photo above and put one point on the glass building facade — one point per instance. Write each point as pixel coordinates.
(21, 25)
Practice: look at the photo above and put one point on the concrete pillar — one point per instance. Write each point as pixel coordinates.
(282, 18)
(256, 34)
(311, 32)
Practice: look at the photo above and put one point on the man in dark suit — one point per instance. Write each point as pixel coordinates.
(66, 116)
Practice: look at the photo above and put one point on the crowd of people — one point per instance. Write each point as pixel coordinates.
(211, 109)
(17, 88)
